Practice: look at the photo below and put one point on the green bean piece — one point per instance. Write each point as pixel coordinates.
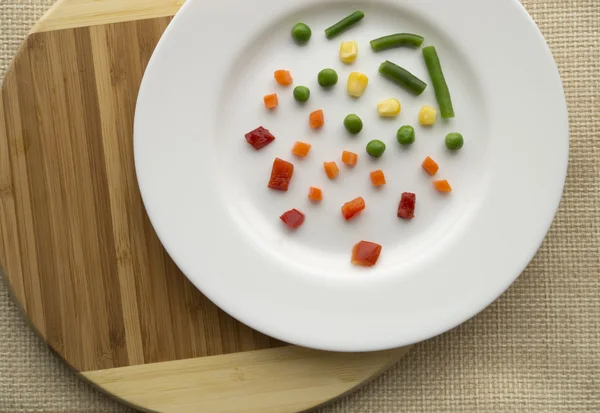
(454, 141)
(406, 135)
(375, 148)
(301, 33)
(301, 93)
(353, 124)
(327, 77)
(396, 40)
(344, 24)
(402, 77)
(442, 94)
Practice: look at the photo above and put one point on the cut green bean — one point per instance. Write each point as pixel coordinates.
(344, 24)
(396, 40)
(442, 94)
(402, 77)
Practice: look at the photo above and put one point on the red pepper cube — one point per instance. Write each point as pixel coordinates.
(292, 218)
(259, 138)
(350, 209)
(366, 253)
(406, 209)
(281, 174)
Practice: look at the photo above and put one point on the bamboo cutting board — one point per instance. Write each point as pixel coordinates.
(81, 256)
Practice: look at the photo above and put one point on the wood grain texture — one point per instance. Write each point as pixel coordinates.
(81, 256)
(68, 14)
(297, 379)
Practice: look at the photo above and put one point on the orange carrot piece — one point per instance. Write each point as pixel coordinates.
(442, 186)
(315, 194)
(331, 169)
(283, 77)
(430, 166)
(378, 178)
(271, 101)
(301, 149)
(351, 208)
(349, 158)
(316, 119)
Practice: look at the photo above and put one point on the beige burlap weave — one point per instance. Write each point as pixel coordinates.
(537, 349)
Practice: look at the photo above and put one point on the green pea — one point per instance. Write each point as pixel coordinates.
(454, 141)
(301, 93)
(375, 148)
(353, 124)
(327, 77)
(301, 32)
(406, 135)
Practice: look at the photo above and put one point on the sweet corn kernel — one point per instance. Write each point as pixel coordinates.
(389, 107)
(357, 83)
(348, 51)
(427, 116)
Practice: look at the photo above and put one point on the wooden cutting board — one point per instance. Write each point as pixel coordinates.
(81, 257)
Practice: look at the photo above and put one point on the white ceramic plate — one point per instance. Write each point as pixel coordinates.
(205, 188)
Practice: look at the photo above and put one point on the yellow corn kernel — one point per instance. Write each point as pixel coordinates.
(357, 83)
(348, 51)
(427, 116)
(389, 108)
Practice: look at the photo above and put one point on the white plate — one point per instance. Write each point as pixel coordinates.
(205, 188)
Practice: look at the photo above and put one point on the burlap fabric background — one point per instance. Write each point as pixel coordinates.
(537, 349)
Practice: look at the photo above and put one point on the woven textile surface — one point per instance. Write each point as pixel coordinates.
(536, 349)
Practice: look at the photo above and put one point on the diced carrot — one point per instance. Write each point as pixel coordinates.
(315, 194)
(430, 166)
(281, 174)
(378, 178)
(365, 253)
(442, 186)
(283, 77)
(349, 158)
(316, 119)
(271, 101)
(301, 149)
(331, 169)
(349, 209)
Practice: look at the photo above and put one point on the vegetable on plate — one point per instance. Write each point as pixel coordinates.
(389, 108)
(442, 186)
(271, 101)
(442, 94)
(351, 208)
(315, 194)
(316, 119)
(283, 77)
(301, 149)
(344, 24)
(454, 141)
(377, 178)
(292, 218)
(430, 166)
(402, 77)
(349, 158)
(396, 40)
(357, 83)
(281, 174)
(259, 137)
(366, 253)
(427, 116)
(406, 209)
(301, 93)
(353, 124)
(327, 77)
(405, 135)
(331, 169)
(301, 33)
(348, 51)
(376, 148)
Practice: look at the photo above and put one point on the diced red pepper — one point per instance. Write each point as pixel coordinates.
(281, 174)
(292, 218)
(366, 253)
(349, 209)
(406, 209)
(259, 138)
